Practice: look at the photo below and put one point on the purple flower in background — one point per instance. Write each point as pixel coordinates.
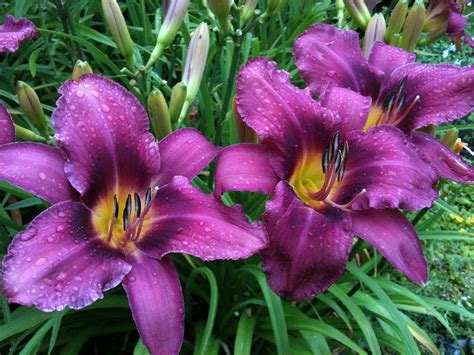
(445, 16)
(7, 129)
(328, 180)
(404, 94)
(13, 32)
(121, 203)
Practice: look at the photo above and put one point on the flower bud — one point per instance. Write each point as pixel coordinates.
(244, 132)
(221, 9)
(80, 68)
(173, 20)
(118, 27)
(375, 32)
(159, 114)
(247, 11)
(178, 96)
(31, 107)
(359, 12)
(195, 63)
(413, 26)
(273, 6)
(26, 135)
(396, 20)
(450, 137)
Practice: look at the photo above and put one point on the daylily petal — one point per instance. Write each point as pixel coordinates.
(351, 108)
(244, 167)
(388, 58)
(57, 262)
(384, 164)
(445, 93)
(288, 121)
(445, 161)
(157, 304)
(13, 32)
(184, 152)
(103, 131)
(7, 129)
(308, 250)
(395, 238)
(188, 221)
(326, 54)
(36, 168)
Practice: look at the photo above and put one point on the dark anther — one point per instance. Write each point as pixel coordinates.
(403, 100)
(325, 161)
(116, 206)
(138, 205)
(148, 196)
(338, 161)
(334, 147)
(344, 152)
(401, 86)
(388, 102)
(127, 211)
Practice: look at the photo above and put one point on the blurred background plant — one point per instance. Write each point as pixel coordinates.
(180, 59)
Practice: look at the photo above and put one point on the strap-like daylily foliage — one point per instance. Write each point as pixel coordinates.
(121, 203)
(13, 32)
(328, 180)
(404, 94)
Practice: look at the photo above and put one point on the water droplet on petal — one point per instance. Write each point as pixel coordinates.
(41, 261)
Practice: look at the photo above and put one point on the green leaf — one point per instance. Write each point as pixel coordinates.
(32, 61)
(275, 309)
(359, 317)
(32, 201)
(244, 335)
(57, 318)
(140, 348)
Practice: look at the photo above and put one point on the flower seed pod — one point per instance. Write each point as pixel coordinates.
(80, 68)
(221, 9)
(413, 26)
(31, 107)
(173, 20)
(359, 12)
(397, 19)
(178, 97)
(375, 32)
(247, 11)
(118, 27)
(159, 114)
(195, 63)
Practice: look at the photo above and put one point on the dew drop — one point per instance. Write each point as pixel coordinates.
(42, 176)
(80, 93)
(41, 261)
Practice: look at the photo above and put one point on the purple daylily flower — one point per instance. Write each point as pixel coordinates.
(121, 203)
(404, 94)
(328, 181)
(13, 32)
(445, 16)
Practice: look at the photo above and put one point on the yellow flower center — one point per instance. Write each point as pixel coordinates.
(121, 217)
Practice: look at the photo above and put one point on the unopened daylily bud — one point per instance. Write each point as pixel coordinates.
(195, 63)
(173, 20)
(80, 68)
(244, 132)
(178, 97)
(359, 12)
(397, 19)
(247, 11)
(31, 107)
(118, 27)
(273, 6)
(25, 134)
(375, 32)
(413, 26)
(221, 9)
(450, 137)
(159, 114)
